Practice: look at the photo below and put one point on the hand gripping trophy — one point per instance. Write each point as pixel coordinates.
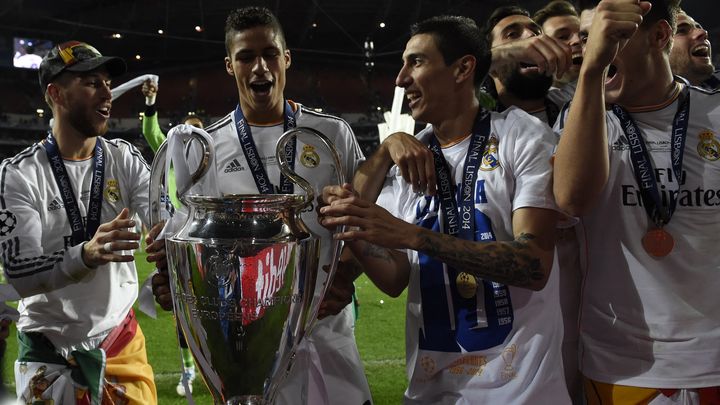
(242, 269)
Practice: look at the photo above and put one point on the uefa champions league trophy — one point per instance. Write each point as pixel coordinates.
(242, 271)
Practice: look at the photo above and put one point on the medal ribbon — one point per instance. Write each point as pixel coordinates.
(459, 218)
(484, 320)
(79, 232)
(643, 165)
(262, 180)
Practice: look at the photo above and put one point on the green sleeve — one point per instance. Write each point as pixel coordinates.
(151, 130)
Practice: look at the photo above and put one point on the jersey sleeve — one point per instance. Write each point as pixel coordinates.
(152, 132)
(529, 147)
(137, 178)
(354, 155)
(27, 266)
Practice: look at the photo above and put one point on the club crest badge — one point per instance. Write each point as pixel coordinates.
(490, 159)
(309, 157)
(112, 191)
(708, 147)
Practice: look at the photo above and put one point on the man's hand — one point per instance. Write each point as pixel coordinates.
(341, 291)
(614, 22)
(161, 290)
(111, 237)
(415, 161)
(367, 221)
(552, 57)
(156, 247)
(149, 90)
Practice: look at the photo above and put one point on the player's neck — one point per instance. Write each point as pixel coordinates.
(528, 105)
(72, 144)
(458, 126)
(695, 79)
(262, 115)
(654, 86)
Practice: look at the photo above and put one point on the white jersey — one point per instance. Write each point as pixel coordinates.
(74, 306)
(646, 321)
(453, 356)
(332, 337)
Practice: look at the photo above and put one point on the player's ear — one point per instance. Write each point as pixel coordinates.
(464, 68)
(229, 66)
(287, 58)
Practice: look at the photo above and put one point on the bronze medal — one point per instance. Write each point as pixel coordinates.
(466, 285)
(658, 242)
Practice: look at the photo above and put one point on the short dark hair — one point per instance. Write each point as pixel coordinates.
(455, 37)
(192, 117)
(556, 8)
(250, 17)
(497, 15)
(662, 10)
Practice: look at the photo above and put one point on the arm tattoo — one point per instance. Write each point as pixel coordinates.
(377, 252)
(510, 262)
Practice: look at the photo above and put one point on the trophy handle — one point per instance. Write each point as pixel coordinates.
(182, 134)
(310, 196)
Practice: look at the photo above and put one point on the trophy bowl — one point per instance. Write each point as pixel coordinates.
(243, 270)
(240, 269)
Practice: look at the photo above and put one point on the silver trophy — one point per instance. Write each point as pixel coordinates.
(242, 270)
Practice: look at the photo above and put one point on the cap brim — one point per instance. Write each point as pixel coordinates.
(114, 65)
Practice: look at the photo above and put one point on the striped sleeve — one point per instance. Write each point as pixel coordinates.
(27, 266)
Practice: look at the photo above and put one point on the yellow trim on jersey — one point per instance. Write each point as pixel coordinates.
(656, 107)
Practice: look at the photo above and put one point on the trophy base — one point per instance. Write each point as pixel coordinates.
(246, 400)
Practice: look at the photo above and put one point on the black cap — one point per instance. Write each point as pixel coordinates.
(76, 56)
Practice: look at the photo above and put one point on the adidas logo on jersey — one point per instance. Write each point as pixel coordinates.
(234, 166)
(56, 204)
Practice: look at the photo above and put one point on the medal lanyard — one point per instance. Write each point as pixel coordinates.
(80, 233)
(262, 180)
(459, 218)
(643, 165)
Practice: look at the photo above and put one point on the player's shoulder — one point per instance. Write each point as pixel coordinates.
(118, 148)
(515, 119)
(313, 118)
(222, 124)
(27, 157)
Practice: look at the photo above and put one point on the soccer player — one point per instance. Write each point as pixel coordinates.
(691, 54)
(483, 317)
(520, 84)
(66, 248)
(561, 21)
(638, 163)
(257, 58)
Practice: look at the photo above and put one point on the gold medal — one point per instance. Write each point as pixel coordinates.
(466, 285)
(658, 242)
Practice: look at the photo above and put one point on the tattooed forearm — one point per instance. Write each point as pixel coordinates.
(510, 263)
(377, 252)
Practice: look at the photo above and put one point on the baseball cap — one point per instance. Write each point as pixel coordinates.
(75, 56)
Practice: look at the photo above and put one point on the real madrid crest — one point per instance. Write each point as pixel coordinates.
(112, 191)
(708, 147)
(490, 159)
(309, 157)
